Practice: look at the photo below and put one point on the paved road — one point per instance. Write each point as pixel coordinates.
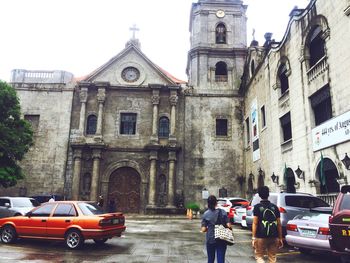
(148, 240)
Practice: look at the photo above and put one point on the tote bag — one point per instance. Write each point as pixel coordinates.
(223, 233)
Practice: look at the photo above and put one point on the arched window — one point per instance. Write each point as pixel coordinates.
(220, 34)
(283, 78)
(163, 127)
(221, 72)
(316, 45)
(91, 124)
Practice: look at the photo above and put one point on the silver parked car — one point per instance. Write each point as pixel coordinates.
(310, 231)
(289, 204)
(16, 206)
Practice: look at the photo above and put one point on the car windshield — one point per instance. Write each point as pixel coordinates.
(22, 202)
(319, 217)
(304, 201)
(345, 204)
(90, 209)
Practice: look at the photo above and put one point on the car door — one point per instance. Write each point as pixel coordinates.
(340, 224)
(34, 223)
(62, 217)
(4, 209)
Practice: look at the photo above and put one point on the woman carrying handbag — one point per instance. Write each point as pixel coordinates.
(209, 219)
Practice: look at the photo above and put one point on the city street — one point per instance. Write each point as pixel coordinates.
(147, 239)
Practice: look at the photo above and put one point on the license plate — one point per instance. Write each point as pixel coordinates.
(308, 232)
(115, 221)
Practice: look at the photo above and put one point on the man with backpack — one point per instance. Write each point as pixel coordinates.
(266, 228)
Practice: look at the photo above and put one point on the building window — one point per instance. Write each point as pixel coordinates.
(321, 105)
(286, 127)
(91, 124)
(34, 121)
(163, 127)
(283, 78)
(263, 116)
(221, 72)
(316, 46)
(221, 127)
(128, 123)
(247, 131)
(220, 34)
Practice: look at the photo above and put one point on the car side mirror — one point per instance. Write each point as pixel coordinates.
(7, 205)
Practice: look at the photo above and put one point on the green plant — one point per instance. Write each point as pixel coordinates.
(193, 206)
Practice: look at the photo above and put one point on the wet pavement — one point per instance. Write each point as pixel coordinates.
(148, 240)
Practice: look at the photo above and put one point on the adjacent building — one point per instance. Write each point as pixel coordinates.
(274, 115)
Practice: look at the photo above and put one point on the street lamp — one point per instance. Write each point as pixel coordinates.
(346, 161)
(274, 178)
(300, 173)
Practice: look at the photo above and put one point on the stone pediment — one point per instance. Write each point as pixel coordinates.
(131, 68)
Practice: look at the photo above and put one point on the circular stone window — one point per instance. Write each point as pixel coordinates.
(130, 74)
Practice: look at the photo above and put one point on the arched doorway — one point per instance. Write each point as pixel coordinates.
(290, 181)
(124, 188)
(331, 175)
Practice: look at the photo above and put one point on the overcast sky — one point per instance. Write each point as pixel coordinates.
(80, 35)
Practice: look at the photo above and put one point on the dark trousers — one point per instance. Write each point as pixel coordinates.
(220, 248)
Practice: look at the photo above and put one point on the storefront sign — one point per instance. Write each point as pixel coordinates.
(332, 132)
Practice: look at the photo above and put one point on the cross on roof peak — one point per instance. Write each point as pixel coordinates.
(134, 29)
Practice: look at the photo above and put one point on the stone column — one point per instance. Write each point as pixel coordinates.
(83, 99)
(171, 180)
(101, 95)
(152, 179)
(155, 102)
(76, 173)
(96, 157)
(173, 101)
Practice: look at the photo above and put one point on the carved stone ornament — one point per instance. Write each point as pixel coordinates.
(96, 154)
(83, 94)
(173, 100)
(101, 95)
(77, 153)
(155, 99)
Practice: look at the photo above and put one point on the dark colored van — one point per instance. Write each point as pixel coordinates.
(339, 224)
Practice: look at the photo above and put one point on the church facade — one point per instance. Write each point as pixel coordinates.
(248, 116)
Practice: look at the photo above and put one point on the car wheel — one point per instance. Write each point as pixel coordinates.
(100, 241)
(8, 235)
(305, 251)
(74, 239)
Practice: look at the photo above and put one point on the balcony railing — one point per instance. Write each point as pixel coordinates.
(329, 198)
(317, 69)
(221, 78)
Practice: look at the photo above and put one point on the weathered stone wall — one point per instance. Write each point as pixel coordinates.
(264, 87)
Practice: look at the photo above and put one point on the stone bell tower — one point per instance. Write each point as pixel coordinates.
(213, 136)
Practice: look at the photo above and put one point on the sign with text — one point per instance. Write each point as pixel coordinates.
(332, 132)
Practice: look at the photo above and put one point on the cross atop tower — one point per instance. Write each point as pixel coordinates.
(134, 29)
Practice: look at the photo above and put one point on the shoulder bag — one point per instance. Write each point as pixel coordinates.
(221, 232)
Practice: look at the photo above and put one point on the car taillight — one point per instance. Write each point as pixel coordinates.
(324, 231)
(282, 210)
(243, 217)
(232, 210)
(249, 207)
(105, 222)
(292, 227)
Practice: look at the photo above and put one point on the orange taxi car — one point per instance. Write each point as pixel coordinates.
(71, 221)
